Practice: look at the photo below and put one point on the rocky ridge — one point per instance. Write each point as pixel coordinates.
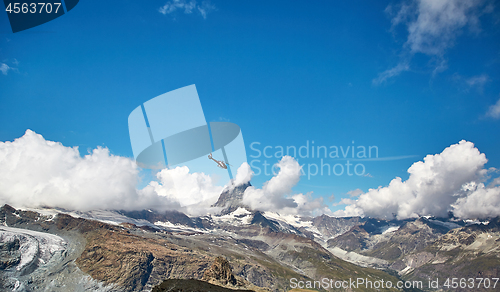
(231, 198)
(127, 257)
(236, 249)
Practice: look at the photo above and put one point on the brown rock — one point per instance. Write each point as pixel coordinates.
(220, 272)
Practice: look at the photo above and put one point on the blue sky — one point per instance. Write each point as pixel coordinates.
(286, 72)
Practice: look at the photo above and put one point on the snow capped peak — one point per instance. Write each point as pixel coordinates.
(241, 211)
(240, 216)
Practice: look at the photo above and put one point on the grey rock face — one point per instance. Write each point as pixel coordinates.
(231, 198)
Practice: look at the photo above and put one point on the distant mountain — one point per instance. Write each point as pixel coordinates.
(409, 237)
(128, 257)
(106, 250)
(388, 240)
(330, 227)
(471, 251)
(172, 216)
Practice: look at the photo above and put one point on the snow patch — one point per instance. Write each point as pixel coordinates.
(390, 229)
(177, 227)
(358, 259)
(293, 220)
(240, 216)
(475, 221)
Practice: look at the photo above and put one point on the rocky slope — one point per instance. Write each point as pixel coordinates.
(107, 250)
(127, 257)
(191, 285)
(467, 252)
(331, 227)
(425, 248)
(35, 258)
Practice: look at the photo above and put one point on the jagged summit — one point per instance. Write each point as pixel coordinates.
(231, 198)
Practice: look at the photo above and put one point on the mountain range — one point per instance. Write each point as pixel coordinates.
(49, 249)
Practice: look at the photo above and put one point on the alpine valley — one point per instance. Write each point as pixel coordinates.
(50, 249)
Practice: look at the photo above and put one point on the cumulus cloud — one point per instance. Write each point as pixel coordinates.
(307, 206)
(439, 184)
(346, 201)
(35, 172)
(273, 192)
(494, 111)
(355, 193)
(187, 7)
(481, 202)
(194, 193)
(432, 27)
(243, 175)
(276, 194)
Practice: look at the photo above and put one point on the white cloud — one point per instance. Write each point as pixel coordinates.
(495, 182)
(465, 84)
(482, 202)
(389, 73)
(173, 5)
(35, 172)
(494, 110)
(205, 8)
(187, 7)
(345, 201)
(272, 195)
(243, 175)
(307, 206)
(276, 194)
(478, 81)
(193, 192)
(355, 193)
(432, 27)
(441, 66)
(5, 68)
(435, 186)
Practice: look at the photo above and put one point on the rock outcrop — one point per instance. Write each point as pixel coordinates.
(220, 272)
(191, 285)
